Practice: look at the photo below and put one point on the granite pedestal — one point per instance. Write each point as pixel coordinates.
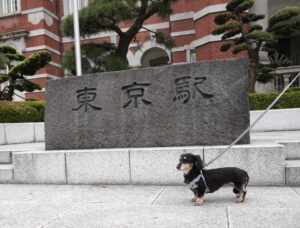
(204, 103)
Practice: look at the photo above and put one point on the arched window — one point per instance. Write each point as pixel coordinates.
(154, 57)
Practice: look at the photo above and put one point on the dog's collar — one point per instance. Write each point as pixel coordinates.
(191, 185)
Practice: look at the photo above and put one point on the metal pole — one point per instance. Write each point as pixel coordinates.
(77, 38)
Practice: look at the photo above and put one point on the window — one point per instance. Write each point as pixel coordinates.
(193, 56)
(296, 83)
(279, 82)
(9, 6)
(68, 6)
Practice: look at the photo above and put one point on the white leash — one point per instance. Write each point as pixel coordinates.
(252, 125)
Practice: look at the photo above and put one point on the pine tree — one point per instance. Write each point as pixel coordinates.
(108, 15)
(18, 67)
(285, 22)
(238, 28)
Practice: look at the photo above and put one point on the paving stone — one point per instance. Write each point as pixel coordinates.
(95, 215)
(264, 217)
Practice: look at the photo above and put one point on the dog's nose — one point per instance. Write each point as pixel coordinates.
(178, 166)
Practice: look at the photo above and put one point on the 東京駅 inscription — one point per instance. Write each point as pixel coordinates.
(203, 103)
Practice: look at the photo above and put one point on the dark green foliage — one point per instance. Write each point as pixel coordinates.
(3, 60)
(260, 36)
(251, 17)
(284, 15)
(255, 27)
(260, 101)
(33, 63)
(8, 50)
(225, 47)
(245, 5)
(234, 4)
(18, 112)
(95, 58)
(240, 47)
(107, 15)
(285, 22)
(17, 71)
(231, 34)
(295, 89)
(115, 63)
(227, 27)
(222, 18)
(168, 42)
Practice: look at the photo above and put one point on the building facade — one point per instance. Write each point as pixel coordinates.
(31, 26)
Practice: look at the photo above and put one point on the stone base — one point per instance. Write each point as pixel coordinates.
(265, 164)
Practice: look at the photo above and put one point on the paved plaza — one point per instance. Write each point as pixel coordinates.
(145, 206)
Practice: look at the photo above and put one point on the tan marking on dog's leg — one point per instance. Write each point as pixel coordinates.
(199, 201)
(241, 197)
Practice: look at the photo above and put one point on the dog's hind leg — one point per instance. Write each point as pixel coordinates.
(242, 194)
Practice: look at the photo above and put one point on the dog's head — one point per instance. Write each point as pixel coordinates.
(189, 161)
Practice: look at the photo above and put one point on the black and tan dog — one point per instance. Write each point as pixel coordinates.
(202, 181)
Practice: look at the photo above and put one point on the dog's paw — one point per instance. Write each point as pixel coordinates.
(239, 200)
(199, 201)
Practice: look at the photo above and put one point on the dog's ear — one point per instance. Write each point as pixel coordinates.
(198, 162)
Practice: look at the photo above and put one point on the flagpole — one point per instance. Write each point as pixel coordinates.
(77, 38)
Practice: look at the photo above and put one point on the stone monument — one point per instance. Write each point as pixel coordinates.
(203, 103)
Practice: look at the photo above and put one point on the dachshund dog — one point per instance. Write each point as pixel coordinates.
(201, 181)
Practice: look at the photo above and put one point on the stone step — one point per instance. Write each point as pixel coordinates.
(292, 149)
(6, 174)
(5, 157)
(292, 168)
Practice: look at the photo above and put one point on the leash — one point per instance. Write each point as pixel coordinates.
(255, 122)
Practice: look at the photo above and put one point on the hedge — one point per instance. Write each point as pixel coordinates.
(260, 101)
(22, 112)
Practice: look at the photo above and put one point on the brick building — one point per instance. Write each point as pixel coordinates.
(31, 26)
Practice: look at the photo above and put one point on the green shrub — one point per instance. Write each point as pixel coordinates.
(260, 101)
(22, 112)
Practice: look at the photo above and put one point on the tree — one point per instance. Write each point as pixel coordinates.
(103, 15)
(242, 34)
(239, 29)
(18, 67)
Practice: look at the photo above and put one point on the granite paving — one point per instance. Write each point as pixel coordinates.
(144, 206)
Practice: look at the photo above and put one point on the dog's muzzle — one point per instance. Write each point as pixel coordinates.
(178, 166)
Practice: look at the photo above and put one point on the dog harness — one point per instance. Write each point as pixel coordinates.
(192, 184)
